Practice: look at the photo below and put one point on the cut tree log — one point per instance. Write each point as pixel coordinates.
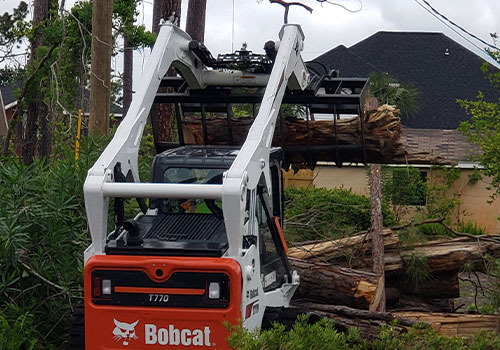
(343, 248)
(367, 322)
(381, 137)
(441, 255)
(329, 284)
(456, 325)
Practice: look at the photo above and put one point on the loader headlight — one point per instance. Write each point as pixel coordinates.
(214, 290)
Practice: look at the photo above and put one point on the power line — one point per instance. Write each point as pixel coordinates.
(447, 25)
(459, 27)
(342, 6)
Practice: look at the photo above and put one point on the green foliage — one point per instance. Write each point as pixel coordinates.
(403, 187)
(12, 29)
(416, 271)
(388, 90)
(493, 269)
(470, 227)
(323, 336)
(483, 128)
(320, 335)
(439, 202)
(43, 233)
(475, 176)
(319, 213)
(17, 333)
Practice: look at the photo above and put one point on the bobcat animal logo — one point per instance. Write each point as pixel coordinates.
(124, 331)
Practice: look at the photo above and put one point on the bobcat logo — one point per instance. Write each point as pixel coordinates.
(124, 331)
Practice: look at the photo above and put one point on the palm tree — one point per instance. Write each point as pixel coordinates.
(388, 90)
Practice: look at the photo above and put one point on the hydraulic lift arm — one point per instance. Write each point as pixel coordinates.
(172, 48)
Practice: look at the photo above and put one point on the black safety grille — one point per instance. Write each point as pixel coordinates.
(186, 227)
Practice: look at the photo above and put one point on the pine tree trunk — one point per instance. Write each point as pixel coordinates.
(164, 112)
(128, 71)
(195, 22)
(377, 228)
(40, 14)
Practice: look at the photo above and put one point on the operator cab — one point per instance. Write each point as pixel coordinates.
(188, 227)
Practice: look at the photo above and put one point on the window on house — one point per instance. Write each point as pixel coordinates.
(407, 186)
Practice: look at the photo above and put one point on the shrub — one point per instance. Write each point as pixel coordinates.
(319, 213)
(43, 233)
(323, 336)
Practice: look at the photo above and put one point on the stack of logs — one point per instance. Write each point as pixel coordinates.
(337, 272)
(379, 134)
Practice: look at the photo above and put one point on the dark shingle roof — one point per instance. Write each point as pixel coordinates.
(8, 92)
(441, 69)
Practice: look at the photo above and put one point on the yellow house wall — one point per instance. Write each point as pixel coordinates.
(473, 198)
(474, 204)
(354, 178)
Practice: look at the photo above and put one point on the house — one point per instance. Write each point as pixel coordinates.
(442, 71)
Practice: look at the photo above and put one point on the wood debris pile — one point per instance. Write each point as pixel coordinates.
(340, 139)
(338, 272)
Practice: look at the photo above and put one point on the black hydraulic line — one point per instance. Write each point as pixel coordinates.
(179, 124)
(337, 156)
(230, 124)
(204, 124)
(276, 236)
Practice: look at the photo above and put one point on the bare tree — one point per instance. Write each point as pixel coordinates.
(195, 22)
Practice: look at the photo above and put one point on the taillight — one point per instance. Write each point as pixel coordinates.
(101, 287)
(96, 286)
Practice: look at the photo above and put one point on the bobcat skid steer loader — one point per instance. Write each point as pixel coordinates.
(208, 249)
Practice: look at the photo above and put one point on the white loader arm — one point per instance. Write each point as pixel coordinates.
(253, 159)
(171, 48)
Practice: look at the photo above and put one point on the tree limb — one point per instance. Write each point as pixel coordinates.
(287, 5)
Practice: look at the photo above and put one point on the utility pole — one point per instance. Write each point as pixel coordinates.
(100, 70)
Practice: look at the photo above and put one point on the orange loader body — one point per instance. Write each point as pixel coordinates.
(163, 314)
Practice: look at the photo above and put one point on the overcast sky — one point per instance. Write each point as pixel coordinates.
(328, 26)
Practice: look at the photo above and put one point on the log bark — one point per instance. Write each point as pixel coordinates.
(340, 249)
(456, 325)
(442, 255)
(330, 284)
(367, 322)
(376, 231)
(164, 112)
(382, 133)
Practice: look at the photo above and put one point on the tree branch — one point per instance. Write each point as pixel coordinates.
(447, 227)
(287, 5)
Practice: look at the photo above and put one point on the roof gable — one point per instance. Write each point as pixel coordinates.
(441, 69)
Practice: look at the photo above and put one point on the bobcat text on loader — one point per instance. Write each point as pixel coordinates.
(208, 248)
